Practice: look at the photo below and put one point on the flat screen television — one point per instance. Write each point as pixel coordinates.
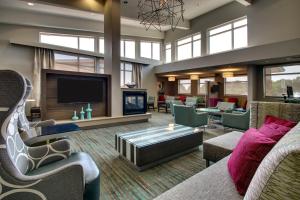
(79, 90)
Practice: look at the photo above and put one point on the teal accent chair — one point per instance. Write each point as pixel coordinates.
(236, 120)
(187, 116)
(174, 102)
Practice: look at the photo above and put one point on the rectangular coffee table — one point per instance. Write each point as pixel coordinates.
(149, 147)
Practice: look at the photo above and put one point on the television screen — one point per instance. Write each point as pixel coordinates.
(79, 90)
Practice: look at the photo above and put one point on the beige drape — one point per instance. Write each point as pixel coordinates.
(43, 59)
(137, 74)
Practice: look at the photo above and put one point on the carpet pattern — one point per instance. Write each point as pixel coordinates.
(119, 180)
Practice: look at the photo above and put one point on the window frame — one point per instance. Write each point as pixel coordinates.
(122, 72)
(232, 29)
(274, 66)
(192, 45)
(78, 56)
(151, 42)
(68, 35)
(124, 48)
(101, 38)
(167, 44)
(225, 83)
(185, 83)
(198, 85)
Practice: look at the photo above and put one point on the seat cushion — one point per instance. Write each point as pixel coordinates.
(219, 147)
(210, 184)
(90, 169)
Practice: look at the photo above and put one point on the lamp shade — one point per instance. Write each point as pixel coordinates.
(227, 74)
(194, 77)
(171, 78)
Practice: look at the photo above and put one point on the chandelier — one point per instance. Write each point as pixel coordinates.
(159, 13)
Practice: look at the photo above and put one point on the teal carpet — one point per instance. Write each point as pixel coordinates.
(119, 180)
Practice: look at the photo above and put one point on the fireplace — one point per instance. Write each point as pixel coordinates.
(134, 102)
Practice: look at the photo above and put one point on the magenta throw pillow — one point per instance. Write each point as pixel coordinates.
(274, 131)
(247, 156)
(272, 119)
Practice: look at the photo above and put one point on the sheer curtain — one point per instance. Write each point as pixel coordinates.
(137, 74)
(43, 59)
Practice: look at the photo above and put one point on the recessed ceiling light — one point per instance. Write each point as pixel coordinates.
(30, 4)
(125, 2)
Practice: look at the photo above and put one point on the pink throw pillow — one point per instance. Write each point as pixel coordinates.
(272, 119)
(274, 131)
(247, 156)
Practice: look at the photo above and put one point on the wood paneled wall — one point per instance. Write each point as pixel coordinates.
(50, 107)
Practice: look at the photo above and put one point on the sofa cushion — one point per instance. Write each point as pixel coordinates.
(278, 176)
(274, 131)
(276, 120)
(219, 147)
(246, 157)
(210, 184)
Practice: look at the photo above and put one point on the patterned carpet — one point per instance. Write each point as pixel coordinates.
(119, 180)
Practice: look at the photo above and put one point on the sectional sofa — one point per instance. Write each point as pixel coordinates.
(277, 177)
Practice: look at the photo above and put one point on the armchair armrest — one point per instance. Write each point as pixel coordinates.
(49, 122)
(45, 154)
(202, 117)
(234, 120)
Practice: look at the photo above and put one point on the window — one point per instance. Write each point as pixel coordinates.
(184, 86)
(150, 50)
(71, 41)
(168, 56)
(101, 45)
(127, 49)
(189, 47)
(202, 89)
(232, 35)
(237, 85)
(74, 62)
(126, 73)
(277, 78)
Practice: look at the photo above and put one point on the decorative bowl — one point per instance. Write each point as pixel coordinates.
(130, 85)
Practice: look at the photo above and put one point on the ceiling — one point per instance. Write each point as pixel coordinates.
(129, 11)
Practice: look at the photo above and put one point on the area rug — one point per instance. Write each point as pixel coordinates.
(122, 182)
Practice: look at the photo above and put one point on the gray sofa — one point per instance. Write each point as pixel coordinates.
(277, 177)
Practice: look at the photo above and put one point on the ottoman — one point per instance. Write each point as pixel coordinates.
(219, 147)
(149, 147)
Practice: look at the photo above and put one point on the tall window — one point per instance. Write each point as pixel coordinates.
(127, 49)
(189, 47)
(85, 43)
(126, 73)
(237, 85)
(232, 35)
(101, 45)
(74, 62)
(202, 89)
(277, 78)
(184, 86)
(168, 51)
(150, 50)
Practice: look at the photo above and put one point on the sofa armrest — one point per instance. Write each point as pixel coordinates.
(202, 117)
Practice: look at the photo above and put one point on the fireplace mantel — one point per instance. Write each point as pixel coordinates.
(134, 89)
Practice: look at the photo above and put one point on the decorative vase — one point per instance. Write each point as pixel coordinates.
(82, 114)
(75, 117)
(89, 111)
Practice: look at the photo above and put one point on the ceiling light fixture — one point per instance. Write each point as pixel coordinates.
(158, 13)
(194, 77)
(171, 78)
(227, 74)
(30, 4)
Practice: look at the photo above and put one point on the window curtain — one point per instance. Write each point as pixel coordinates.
(43, 59)
(137, 74)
